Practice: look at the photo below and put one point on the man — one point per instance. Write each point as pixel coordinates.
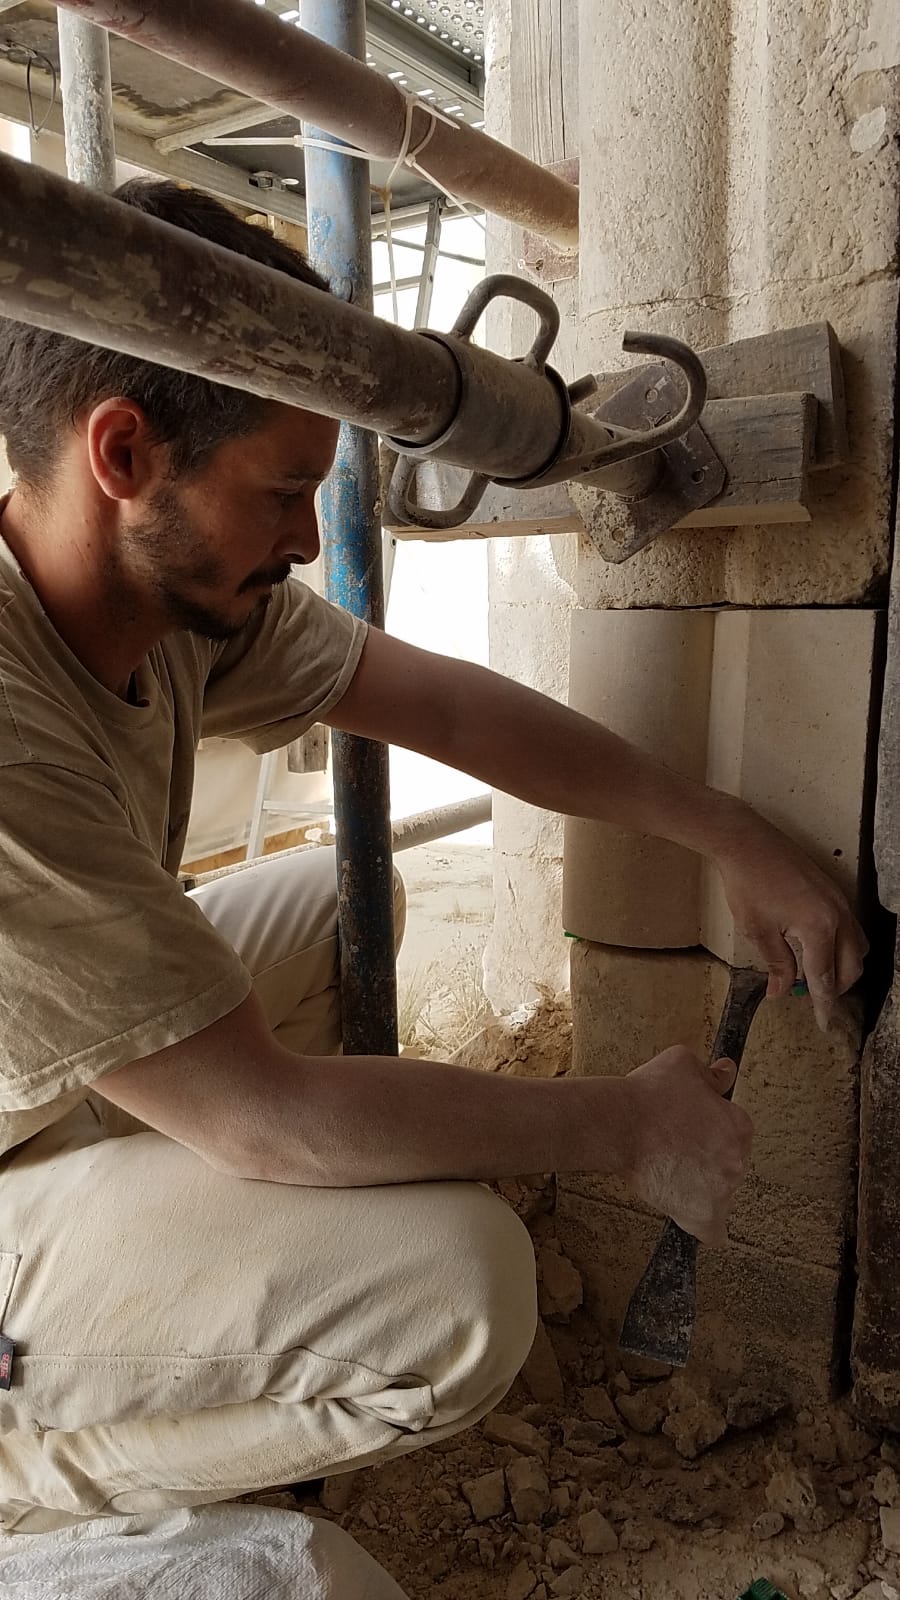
(233, 1258)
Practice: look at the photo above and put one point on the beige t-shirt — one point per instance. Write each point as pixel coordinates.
(103, 958)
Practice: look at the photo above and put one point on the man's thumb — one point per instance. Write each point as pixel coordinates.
(723, 1073)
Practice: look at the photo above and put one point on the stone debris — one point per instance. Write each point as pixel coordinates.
(768, 1525)
(540, 1374)
(337, 1492)
(694, 1423)
(749, 1408)
(501, 1428)
(486, 1495)
(809, 1577)
(890, 1529)
(584, 1438)
(529, 1489)
(546, 1500)
(522, 1582)
(560, 1289)
(634, 1536)
(790, 1491)
(569, 1584)
(560, 1554)
(598, 1536)
(642, 1411)
(597, 1405)
(886, 1488)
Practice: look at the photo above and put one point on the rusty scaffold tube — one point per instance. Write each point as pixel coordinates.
(106, 273)
(249, 49)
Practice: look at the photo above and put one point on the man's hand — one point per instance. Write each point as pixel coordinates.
(789, 909)
(690, 1148)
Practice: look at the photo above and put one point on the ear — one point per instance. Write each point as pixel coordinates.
(126, 461)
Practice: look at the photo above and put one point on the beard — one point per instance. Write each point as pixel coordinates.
(174, 559)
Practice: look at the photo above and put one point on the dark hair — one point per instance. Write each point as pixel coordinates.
(47, 379)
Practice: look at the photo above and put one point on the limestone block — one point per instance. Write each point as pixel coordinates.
(527, 947)
(795, 1215)
(654, 104)
(646, 675)
(771, 706)
(526, 830)
(762, 1321)
(876, 1332)
(799, 1085)
(530, 642)
(746, 145)
(542, 567)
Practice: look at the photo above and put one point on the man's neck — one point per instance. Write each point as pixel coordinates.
(68, 556)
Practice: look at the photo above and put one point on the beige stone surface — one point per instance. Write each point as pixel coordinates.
(526, 947)
(794, 1219)
(772, 706)
(645, 675)
(771, 1322)
(799, 1085)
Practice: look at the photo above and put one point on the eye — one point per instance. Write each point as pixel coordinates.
(289, 497)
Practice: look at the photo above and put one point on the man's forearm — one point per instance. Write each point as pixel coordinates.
(543, 752)
(355, 1120)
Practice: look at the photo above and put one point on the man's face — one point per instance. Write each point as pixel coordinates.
(210, 545)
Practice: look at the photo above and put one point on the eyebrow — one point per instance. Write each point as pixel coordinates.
(299, 475)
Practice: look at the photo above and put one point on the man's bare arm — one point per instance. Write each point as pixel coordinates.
(543, 752)
(254, 1110)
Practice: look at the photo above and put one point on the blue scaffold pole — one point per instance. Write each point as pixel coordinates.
(340, 248)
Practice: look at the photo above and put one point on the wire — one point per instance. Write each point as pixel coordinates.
(23, 56)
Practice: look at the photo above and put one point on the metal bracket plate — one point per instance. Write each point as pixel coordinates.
(691, 474)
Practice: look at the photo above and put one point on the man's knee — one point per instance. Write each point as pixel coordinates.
(494, 1298)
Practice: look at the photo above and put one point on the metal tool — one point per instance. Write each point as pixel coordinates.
(659, 1321)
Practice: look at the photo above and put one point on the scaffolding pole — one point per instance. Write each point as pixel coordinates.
(340, 247)
(107, 273)
(87, 102)
(250, 49)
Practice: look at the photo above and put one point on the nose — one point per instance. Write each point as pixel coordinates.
(301, 542)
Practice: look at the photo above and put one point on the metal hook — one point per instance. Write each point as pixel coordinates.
(638, 444)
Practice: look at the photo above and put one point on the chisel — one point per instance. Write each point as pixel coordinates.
(659, 1321)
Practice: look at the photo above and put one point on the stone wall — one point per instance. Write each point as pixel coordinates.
(739, 174)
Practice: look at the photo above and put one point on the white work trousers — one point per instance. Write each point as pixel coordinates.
(185, 1337)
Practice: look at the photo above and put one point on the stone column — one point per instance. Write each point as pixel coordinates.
(739, 175)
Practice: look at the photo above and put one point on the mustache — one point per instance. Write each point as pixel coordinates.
(263, 576)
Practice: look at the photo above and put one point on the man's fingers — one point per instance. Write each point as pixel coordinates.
(818, 970)
(852, 949)
(779, 959)
(723, 1074)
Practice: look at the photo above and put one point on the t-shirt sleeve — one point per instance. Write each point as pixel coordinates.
(104, 958)
(284, 672)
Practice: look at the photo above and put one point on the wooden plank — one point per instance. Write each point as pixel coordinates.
(807, 358)
(765, 442)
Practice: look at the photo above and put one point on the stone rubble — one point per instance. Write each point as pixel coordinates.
(626, 1482)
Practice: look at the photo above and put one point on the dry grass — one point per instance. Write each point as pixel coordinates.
(442, 1004)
